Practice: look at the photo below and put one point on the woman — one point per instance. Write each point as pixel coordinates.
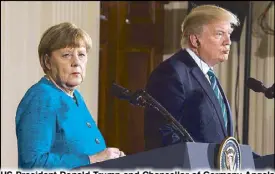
(53, 125)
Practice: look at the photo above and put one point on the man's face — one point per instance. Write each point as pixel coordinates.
(215, 42)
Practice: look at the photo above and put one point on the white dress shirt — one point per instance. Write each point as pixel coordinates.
(203, 66)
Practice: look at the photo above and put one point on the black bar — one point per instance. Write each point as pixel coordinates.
(247, 67)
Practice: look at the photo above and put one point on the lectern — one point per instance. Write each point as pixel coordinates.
(189, 155)
(186, 156)
(265, 162)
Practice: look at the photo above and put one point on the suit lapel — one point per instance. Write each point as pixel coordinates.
(199, 76)
(185, 57)
(229, 114)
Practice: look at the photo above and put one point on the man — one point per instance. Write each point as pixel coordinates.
(186, 85)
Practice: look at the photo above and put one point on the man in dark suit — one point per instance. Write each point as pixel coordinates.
(186, 84)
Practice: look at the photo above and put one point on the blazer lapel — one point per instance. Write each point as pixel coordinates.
(229, 114)
(199, 76)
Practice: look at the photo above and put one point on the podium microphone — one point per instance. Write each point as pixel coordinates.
(124, 94)
(142, 98)
(120, 92)
(258, 86)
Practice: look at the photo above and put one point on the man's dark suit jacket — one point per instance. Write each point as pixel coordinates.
(180, 86)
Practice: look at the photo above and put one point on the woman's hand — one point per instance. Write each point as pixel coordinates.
(108, 153)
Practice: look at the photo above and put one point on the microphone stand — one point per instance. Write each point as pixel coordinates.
(142, 98)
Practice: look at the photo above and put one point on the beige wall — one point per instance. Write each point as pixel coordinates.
(22, 24)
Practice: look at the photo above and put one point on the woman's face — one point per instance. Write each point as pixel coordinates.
(67, 67)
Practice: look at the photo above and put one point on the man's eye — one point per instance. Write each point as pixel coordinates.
(82, 55)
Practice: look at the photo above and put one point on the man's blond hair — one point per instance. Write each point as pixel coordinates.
(201, 15)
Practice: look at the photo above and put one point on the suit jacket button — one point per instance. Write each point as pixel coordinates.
(89, 125)
(97, 141)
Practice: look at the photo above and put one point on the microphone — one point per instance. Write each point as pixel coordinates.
(258, 86)
(269, 93)
(142, 98)
(120, 92)
(124, 94)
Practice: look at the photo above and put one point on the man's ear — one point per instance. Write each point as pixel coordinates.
(194, 41)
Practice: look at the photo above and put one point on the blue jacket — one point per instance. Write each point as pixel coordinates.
(180, 86)
(54, 131)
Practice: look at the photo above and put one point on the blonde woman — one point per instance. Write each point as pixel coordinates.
(53, 125)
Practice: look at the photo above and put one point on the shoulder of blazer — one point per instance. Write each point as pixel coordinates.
(182, 63)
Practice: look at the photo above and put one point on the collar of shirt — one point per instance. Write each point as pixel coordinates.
(202, 65)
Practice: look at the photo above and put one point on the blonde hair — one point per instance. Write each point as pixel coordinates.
(61, 36)
(202, 15)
